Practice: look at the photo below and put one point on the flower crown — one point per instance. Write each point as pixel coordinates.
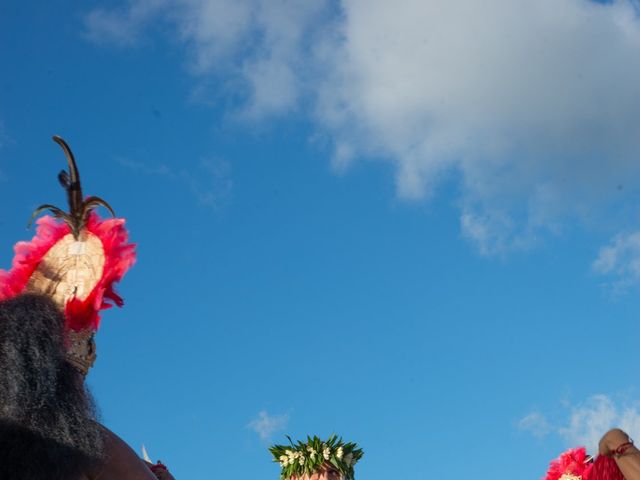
(314, 456)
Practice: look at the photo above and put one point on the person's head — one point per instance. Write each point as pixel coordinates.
(81, 350)
(43, 400)
(327, 473)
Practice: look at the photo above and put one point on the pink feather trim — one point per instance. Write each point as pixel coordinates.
(119, 257)
(28, 255)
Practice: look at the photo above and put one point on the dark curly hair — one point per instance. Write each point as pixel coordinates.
(48, 427)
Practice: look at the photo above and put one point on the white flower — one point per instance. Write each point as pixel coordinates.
(301, 460)
(339, 453)
(289, 453)
(326, 453)
(283, 458)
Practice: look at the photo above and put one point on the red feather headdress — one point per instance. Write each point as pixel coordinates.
(75, 257)
(605, 468)
(80, 312)
(575, 464)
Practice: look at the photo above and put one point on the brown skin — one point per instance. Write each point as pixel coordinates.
(629, 462)
(122, 463)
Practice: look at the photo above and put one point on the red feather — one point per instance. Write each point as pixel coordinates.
(605, 468)
(120, 255)
(571, 462)
(29, 254)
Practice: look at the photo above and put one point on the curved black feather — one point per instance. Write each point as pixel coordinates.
(63, 178)
(74, 190)
(57, 212)
(79, 208)
(92, 202)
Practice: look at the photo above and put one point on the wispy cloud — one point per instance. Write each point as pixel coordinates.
(516, 98)
(121, 27)
(145, 169)
(209, 182)
(621, 259)
(260, 45)
(265, 425)
(536, 423)
(526, 103)
(586, 421)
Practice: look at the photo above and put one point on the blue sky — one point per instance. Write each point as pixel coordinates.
(412, 224)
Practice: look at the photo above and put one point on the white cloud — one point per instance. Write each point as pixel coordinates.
(586, 422)
(265, 425)
(621, 258)
(529, 102)
(209, 182)
(258, 46)
(536, 423)
(121, 27)
(590, 420)
(532, 105)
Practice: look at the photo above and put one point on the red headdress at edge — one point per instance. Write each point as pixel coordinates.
(75, 257)
(575, 464)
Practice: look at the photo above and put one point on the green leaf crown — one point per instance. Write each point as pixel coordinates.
(314, 456)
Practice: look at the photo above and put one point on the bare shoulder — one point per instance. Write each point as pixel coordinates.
(121, 462)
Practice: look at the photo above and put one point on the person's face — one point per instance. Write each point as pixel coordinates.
(81, 350)
(325, 475)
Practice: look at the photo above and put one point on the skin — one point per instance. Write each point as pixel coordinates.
(327, 474)
(629, 462)
(121, 463)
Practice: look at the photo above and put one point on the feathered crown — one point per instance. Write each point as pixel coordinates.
(575, 464)
(75, 258)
